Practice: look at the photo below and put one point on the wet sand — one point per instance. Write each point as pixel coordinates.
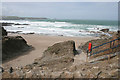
(40, 43)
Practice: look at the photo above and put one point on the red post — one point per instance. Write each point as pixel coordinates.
(90, 47)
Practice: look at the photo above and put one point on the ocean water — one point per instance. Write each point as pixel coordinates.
(62, 27)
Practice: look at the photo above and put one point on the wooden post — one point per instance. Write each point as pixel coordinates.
(113, 46)
(87, 57)
(110, 47)
(108, 58)
(118, 36)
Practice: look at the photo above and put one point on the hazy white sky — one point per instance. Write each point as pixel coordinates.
(60, 0)
(63, 10)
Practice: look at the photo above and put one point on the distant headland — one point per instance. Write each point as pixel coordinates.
(20, 18)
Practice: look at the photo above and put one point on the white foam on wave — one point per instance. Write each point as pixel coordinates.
(54, 28)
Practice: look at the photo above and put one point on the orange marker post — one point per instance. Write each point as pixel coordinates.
(90, 47)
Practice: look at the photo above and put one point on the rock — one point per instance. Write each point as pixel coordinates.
(4, 32)
(98, 73)
(112, 32)
(57, 64)
(104, 30)
(19, 73)
(28, 67)
(95, 67)
(56, 74)
(11, 70)
(21, 24)
(1, 70)
(12, 45)
(94, 43)
(6, 75)
(31, 33)
(20, 27)
(29, 74)
(17, 24)
(60, 35)
(55, 58)
(35, 63)
(103, 36)
(114, 73)
(66, 48)
(25, 24)
(15, 75)
(58, 56)
(77, 74)
(98, 42)
(7, 24)
(83, 69)
(66, 74)
(104, 75)
(72, 68)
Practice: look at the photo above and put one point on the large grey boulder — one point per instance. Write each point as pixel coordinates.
(58, 56)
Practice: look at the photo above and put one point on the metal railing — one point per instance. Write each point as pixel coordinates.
(91, 54)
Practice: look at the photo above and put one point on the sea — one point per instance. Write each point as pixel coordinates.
(62, 27)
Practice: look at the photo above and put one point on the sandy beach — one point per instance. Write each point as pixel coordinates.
(41, 43)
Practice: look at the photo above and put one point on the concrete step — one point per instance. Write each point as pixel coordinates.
(104, 57)
(80, 58)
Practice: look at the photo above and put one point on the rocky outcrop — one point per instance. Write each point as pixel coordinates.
(12, 45)
(7, 24)
(58, 62)
(58, 56)
(94, 43)
(21, 24)
(54, 61)
(66, 49)
(104, 30)
(86, 70)
(10, 24)
(98, 42)
(4, 32)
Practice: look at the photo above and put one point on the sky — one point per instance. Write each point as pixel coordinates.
(60, 0)
(62, 10)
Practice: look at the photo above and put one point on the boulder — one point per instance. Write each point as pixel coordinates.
(104, 30)
(58, 56)
(12, 45)
(66, 48)
(4, 32)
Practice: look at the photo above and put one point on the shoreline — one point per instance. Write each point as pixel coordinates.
(40, 43)
(32, 33)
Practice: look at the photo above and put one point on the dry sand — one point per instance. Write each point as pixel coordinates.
(41, 43)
